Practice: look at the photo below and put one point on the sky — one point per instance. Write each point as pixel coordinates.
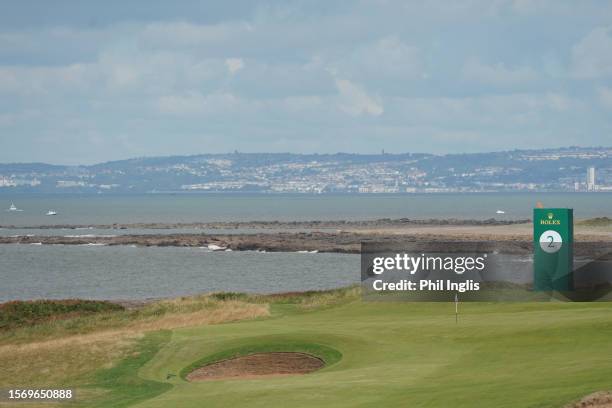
(83, 82)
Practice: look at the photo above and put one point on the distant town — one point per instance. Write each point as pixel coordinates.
(576, 169)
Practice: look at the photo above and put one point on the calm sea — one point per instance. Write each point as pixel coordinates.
(124, 272)
(88, 210)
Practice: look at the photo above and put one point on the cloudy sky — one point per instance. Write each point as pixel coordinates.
(90, 81)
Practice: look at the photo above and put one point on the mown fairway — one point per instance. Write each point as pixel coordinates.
(405, 354)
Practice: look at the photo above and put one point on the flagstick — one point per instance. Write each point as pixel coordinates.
(456, 308)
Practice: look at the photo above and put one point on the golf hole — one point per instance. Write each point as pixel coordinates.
(255, 365)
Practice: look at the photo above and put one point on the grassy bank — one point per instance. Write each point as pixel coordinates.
(380, 353)
(65, 343)
(599, 222)
(18, 314)
(69, 343)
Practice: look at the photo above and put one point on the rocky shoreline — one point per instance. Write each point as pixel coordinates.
(341, 242)
(275, 242)
(312, 236)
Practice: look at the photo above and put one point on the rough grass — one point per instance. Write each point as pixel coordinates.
(63, 343)
(50, 351)
(39, 356)
(164, 314)
(595, 222)
(303, 300)
(41, 321)
(56, 342)
(27, 313)
(61, 361)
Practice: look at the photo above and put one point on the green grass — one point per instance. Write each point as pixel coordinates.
(378, 354)
(121, 384)
(405, 354)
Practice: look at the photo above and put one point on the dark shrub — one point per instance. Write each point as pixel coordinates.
(27, 313)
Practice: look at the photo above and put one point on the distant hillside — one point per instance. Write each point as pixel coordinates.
(519, 170)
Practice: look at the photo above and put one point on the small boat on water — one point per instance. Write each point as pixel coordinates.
(13, 208)
(500, 212)
(51, 212)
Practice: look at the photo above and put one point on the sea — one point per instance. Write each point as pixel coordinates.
(127, 272)
(130, 272)
(186, 208)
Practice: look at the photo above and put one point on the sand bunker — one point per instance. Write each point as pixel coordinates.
(601, 399)
(258, 365)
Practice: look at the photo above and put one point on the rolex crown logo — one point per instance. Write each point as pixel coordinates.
(550, 216)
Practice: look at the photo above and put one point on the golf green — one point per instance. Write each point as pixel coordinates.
(402, 354)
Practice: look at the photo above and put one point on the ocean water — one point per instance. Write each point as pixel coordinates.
(185, 208)
(86, 232)
(125, 272)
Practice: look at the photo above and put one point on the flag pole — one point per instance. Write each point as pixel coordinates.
(456, 308)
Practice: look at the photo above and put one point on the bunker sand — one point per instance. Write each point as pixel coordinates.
(258, 365)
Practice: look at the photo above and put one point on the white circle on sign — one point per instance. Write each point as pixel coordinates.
(550, 241)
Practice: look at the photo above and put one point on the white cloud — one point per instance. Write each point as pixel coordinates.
(492, 112)
(388, 57)
(497, 74)
(355, 101)
(257, 79)
(541, 6)
(299, 104)
(186, 35)
(592, 56)
(194, 103)
(49, 80)
(234, 65)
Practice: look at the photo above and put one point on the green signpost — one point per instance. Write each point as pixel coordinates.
(553, 257)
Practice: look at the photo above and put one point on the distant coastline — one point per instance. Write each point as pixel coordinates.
(565, 169)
